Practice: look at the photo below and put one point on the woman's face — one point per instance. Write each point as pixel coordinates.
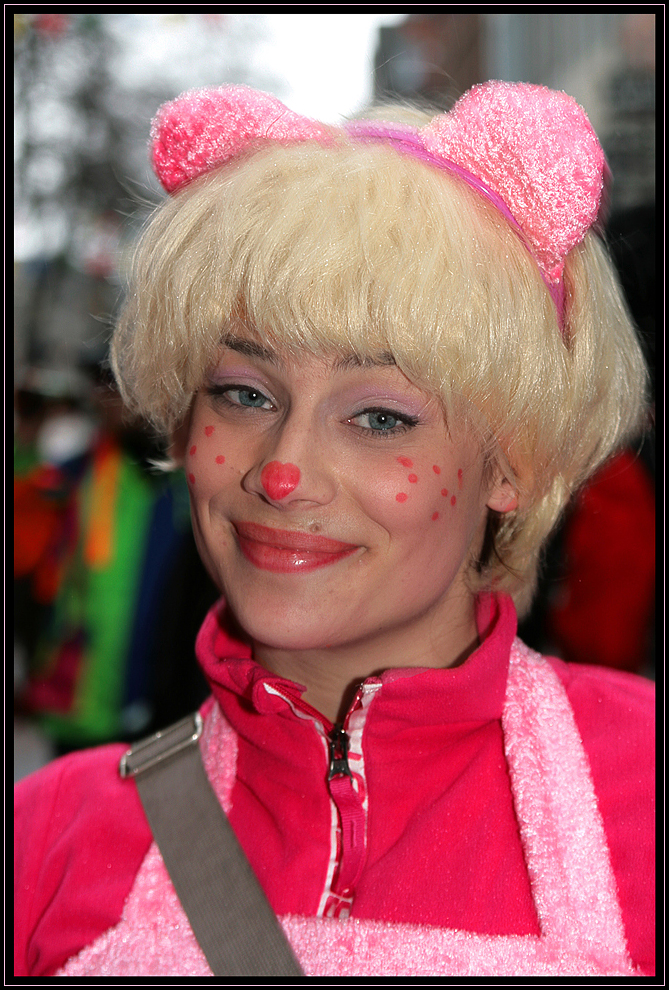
(329, 502)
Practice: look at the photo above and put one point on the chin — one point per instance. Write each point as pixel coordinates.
(286, 628)
(287, 636)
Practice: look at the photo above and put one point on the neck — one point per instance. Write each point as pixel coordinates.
(333, 674)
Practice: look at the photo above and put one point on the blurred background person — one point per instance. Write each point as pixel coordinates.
(53, 431)
(91, 674)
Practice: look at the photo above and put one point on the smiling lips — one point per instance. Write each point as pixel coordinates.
(288, 552)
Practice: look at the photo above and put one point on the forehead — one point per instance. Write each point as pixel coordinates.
(249, 344)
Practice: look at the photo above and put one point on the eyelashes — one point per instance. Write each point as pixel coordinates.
(240, 397)
(378, 422)
(383, 423)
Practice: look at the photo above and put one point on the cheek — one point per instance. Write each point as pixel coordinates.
(208, 452)
(391, 489)
(422, 489)
(405, 479)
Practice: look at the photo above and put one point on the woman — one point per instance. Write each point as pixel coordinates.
(386, 355)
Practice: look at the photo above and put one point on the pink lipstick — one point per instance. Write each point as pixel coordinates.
(287, 551)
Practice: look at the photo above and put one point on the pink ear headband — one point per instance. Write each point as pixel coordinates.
(529, 150)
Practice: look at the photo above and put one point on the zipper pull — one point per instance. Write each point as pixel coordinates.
(338, 747)
(351, 850)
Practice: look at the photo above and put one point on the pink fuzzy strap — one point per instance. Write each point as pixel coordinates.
(560, 823)
(529, 150)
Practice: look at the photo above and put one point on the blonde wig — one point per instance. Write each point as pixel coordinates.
(358, 249)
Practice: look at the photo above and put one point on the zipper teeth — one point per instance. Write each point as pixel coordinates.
(333, 903)
(339, 894)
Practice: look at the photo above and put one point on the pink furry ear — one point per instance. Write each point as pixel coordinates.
(204, 128)
(535, 148)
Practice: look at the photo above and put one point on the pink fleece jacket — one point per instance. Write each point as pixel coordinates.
(468, 840)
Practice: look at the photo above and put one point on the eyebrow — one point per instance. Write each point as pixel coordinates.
(355, 361)
(251, 348)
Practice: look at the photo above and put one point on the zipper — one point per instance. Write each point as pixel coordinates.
(338, 748)
(345, 792)
(346, 782)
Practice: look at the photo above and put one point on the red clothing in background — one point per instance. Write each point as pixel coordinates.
(605, 607)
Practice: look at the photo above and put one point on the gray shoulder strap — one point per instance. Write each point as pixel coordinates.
(230, 916)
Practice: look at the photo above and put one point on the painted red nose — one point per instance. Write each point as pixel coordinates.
(279, 479)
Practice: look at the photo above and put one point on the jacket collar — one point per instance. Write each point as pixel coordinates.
(471, 692)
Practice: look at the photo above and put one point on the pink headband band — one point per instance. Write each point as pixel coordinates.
(528, 150)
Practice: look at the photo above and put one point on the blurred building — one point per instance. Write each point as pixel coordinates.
(430, 57)
(62, 312)
(605, 60)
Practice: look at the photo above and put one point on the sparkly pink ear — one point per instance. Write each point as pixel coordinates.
(536, 149)
(204, 128)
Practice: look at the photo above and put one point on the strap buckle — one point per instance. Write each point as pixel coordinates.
(161, 746)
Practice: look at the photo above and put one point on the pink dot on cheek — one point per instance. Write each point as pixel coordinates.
(413, 478)
(436, 469)
(435, 516)
(220, 459)
(459, 477)
(192, 450)
(209, 430)
(405, 462)
(401, 497)
(191, 478)
(444, 492)
(453, 499)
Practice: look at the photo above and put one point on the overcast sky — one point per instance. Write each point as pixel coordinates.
(326, 59)
(320, 65)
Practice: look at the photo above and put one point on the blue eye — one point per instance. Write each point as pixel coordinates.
(249, 397)
(383, 422)
(237, 395)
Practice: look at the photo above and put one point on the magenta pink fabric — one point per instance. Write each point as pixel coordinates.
(442, 848)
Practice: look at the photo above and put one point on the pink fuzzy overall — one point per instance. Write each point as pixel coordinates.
(567, 859)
